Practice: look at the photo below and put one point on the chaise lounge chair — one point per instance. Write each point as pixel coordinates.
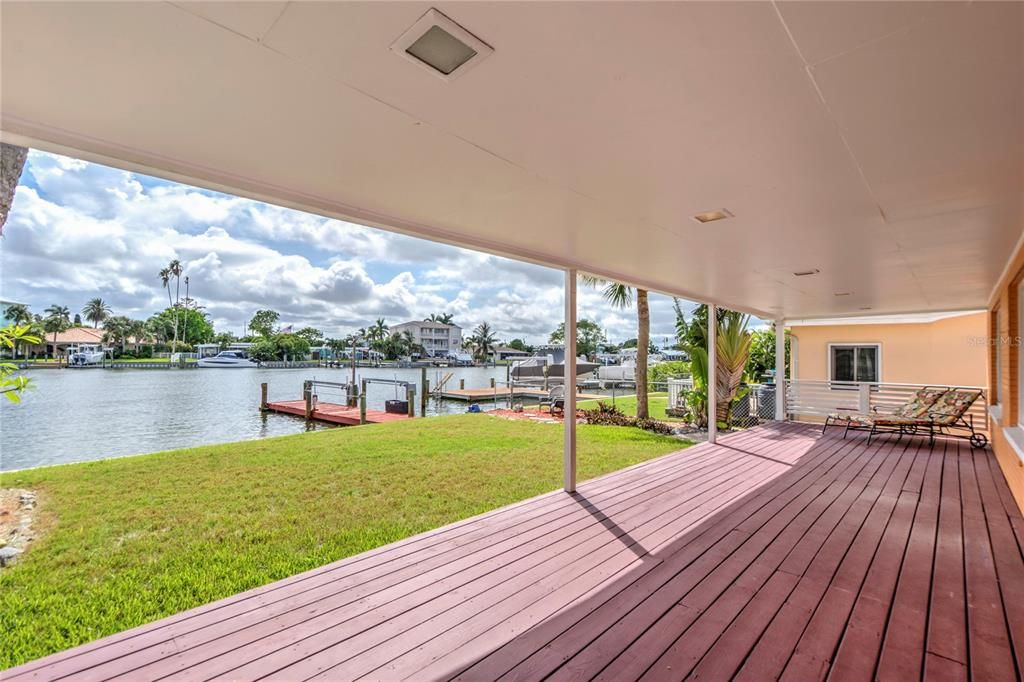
(944, 415)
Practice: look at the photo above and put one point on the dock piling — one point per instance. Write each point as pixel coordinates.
(424, 391)
(307, 396)
(263, 396)
(462, 384)
(410, 399)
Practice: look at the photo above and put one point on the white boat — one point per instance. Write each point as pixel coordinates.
(83, 355)
(228, 359)
(553, 364)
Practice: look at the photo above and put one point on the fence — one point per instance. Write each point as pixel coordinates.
(814, 400)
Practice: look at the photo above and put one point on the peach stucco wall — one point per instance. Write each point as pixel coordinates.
(951, 351)
(1005, 329)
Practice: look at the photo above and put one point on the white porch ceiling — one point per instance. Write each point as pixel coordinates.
(881, 143)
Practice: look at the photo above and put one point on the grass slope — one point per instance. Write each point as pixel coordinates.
(126, 541)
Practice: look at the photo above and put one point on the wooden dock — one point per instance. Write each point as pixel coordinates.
(333, 413)
(502, 393)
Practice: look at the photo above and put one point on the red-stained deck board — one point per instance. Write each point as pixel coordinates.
(334, 413)
(778, 552)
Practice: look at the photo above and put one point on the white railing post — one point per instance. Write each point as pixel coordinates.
(569, 384)
(712, 372)
(864, 398)
(780, 369)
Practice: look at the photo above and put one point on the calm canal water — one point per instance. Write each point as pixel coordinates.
(78, 415)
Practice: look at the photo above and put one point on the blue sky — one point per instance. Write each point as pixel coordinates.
(79, 230)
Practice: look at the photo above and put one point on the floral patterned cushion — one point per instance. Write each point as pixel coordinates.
(919, 405)
(952, 406)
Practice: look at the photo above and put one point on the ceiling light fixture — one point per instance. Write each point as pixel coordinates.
(805, 273)
(843, 293)
(711, 216)
(442, 47)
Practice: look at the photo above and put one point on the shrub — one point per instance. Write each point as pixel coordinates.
(663, 371)
(609, 415)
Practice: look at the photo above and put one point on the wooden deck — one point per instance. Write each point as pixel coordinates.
(333, 413)
(777, 553)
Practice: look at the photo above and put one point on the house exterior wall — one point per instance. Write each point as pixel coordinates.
(950, 351)
(1004, 358)
(437, 339)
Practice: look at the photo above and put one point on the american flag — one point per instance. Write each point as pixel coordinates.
(287, 330)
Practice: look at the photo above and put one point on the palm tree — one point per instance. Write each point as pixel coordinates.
(441, 318)
(621, 296)
(58, 319)
(175, 268)
(96, 311)
(116, 330)
(19, 315)
(482, 341)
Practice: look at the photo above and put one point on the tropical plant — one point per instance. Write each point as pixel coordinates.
(10, 336)
(762, 354)
(482, 341)
(733, 349)
(96, 311)
(263, 321)
(663, 371)
(117, 330)
(58, 319)
(377, 336)
(621, 296)
(195, 325)
(681, 326)
(441, 318)
(18, 315)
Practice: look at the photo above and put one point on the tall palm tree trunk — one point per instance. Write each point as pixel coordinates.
(643, 335)
(177, 291)
(12, 162)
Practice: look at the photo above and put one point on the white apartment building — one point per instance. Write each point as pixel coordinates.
(437, 339)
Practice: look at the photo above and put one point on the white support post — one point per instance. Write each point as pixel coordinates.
(569, 383)
(780, 369)
(712, 372)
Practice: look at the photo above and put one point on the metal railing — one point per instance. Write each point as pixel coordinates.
(813, 400)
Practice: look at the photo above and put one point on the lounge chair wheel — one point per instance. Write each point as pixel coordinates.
(979, 440)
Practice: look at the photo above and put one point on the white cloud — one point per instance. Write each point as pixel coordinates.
(79, 230)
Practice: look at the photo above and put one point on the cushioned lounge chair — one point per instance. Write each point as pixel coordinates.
(947, 416)
(916, 406)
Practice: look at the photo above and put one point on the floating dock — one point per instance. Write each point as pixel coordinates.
(503, 393)
(333, 413)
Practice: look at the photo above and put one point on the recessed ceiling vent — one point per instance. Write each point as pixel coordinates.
(712, 216)
(442, 47)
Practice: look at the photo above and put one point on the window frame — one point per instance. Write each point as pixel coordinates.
(855, 345)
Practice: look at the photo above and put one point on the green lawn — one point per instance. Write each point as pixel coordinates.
(126, 541)
(656, 405)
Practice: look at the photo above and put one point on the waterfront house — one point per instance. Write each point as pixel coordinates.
(792, 160)
(438, 340)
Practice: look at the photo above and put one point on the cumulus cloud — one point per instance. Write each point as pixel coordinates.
(79, 230)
